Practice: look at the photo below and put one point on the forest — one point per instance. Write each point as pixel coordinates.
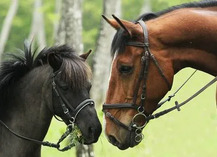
(46, 23)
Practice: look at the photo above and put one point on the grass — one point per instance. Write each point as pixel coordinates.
(189, 133)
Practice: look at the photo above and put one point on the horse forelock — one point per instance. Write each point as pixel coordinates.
(75, 72)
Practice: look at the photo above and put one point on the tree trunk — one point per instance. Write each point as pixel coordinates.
(38, 28)
(58, 6)
(102, 57)
(70, 33)
(146, 8)
(7, 25)
(70, 26)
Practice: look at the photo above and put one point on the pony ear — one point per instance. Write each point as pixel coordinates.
(55, 61)
(85, 55)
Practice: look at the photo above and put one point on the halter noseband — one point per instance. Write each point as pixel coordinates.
(70, 112)
(142, 114)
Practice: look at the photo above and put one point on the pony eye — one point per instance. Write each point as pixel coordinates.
(65, 87)
(124, 69)
(89, 87)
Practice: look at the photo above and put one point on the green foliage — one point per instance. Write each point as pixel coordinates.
(20, 26)
(76, 136)
(92, 11)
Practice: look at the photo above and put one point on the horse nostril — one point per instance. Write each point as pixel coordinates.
(113, 140)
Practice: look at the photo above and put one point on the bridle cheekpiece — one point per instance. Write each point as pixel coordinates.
(135, 126)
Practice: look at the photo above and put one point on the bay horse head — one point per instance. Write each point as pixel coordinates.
(138, 81)
(146, 56)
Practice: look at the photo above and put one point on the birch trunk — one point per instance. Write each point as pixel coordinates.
(146, 8)
(7, 25)
(70, 26)
(38, 28)
(102, 57)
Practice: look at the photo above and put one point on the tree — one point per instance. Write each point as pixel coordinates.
(7, 25)
(102, 57)
(146, 8)
(70, 33)
(38, 28)
(70, 26)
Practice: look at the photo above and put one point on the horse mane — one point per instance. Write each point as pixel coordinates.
(119, 40)
(73, 68)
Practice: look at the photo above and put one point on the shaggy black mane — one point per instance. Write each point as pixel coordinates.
(73, 68)
(119, 41)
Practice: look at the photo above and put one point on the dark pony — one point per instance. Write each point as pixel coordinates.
(33, 88)
(147, 54)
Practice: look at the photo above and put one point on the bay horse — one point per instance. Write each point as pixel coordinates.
(147, 54)
(34, 88)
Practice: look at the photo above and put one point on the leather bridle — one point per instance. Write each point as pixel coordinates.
(70, 112)
(142, 114)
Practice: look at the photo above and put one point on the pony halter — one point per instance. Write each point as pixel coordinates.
(70, 112)
(136, 126)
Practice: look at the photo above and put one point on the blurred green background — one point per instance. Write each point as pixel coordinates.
(189, 133)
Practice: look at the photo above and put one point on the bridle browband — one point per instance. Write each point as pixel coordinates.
(70, 112)
(142, 114)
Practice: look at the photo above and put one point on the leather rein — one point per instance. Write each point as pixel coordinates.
(70, 112)
(135, 126)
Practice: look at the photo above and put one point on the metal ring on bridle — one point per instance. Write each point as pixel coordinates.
(139, 137)
(140, 109)
(141, 116)
(138, 131)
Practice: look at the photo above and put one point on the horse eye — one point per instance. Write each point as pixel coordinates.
(124, 69)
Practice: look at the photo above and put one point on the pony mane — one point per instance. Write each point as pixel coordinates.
(73, 69)
(119, 40)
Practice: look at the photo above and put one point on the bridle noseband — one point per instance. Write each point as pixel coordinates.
(142, 114)
(70, 112)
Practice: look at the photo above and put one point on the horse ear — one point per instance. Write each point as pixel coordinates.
(117, 23)
(123, 25)
(55, 61)
(85, 55)
(112, 22)
(129, 27)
